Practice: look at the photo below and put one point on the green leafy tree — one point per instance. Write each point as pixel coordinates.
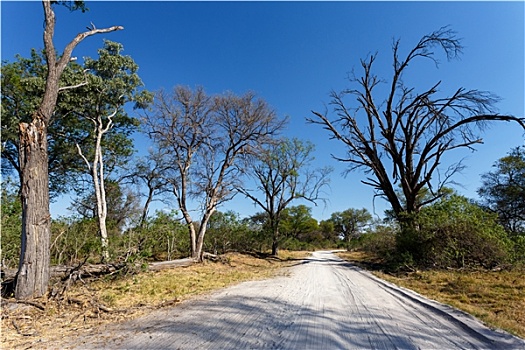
(227, 232)
(33, 271)
(297, 222)
(327, 229)
(23, 84)
(161, 237)
(299, 229)
(112, 82)
(503, 191)
(282, 174)
(350, 223)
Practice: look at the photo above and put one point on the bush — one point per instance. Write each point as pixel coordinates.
(74, 240)
(163, 237)
(455, 233)
(381, 242)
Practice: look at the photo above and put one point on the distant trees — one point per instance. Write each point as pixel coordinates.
(228, 232)
(204, 138)
(33, 272)
(402, 139)
(350, 223)
(282, 174)
(297, 222)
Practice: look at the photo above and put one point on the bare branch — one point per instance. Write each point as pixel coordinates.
(411, 132)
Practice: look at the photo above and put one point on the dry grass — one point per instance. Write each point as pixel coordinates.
(87, 306)
(495, 297)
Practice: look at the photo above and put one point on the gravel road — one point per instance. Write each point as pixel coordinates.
(325, 303)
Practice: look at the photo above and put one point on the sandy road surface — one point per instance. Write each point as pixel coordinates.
(325, 303)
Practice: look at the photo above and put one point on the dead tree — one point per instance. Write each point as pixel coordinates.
(401, 141)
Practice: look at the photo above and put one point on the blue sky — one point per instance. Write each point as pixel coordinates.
(292, 54)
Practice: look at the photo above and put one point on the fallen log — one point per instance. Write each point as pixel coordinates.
(161, 265)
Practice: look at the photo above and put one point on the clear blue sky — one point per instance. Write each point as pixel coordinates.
(293, 54)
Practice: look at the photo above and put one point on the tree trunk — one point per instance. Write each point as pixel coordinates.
(275, 239)
(275, 248)
(191, 229)
(33, 271)
(100, 193)
(144, 215)
(197, 254)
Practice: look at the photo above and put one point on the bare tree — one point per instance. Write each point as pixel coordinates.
(151, 172)
(205, 137)
(281, 171)
(180, 124)
(33, 271)
(402, 140)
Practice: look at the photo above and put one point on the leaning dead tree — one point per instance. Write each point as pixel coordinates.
(401, 141)
(33, 272)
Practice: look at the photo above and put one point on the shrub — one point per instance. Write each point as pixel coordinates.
(456, 233)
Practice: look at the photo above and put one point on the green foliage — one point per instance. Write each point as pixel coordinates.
(381, 241)
(74, 241)
(453, 233)
(297, 231)
(227, 232)
(162, 237)
(112, 83)
(351, 223)
(23, 83)
(11, 220)
(297, 222)
(503, 191)
(75, 5)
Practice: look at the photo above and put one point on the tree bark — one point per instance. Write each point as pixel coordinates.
(197, 252)
(100, 189)
(275, 237)
(33, 271)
